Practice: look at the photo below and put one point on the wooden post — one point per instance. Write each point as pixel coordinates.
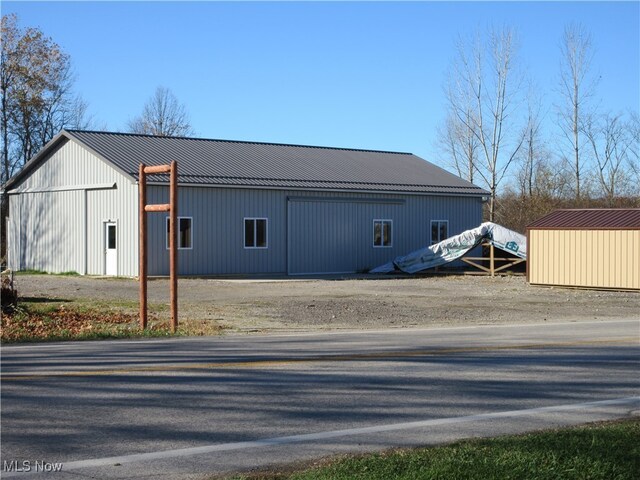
(142, 247)
(492, 266)
(173, 259)
(172, 208)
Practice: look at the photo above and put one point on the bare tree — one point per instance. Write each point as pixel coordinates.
(576, 87)
(633, 127)
(36, 96)
(533, 155)
(8, 70)
(483, 95)
(610, 142)
(460, 146)
(163, 115)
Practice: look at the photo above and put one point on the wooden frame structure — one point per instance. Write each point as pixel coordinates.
(172, 208)
(492, 270)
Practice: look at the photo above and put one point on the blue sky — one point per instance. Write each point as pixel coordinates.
(360, 75)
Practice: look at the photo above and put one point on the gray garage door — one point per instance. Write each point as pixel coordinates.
(335, 235)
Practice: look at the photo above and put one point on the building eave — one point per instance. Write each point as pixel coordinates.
(479, 195)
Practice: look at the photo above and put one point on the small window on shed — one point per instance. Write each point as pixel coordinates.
(255, 233)
(439, 231)
(383, 233)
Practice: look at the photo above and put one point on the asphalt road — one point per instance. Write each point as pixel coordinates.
(190, 408)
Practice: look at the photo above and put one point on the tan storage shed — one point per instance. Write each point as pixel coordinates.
(591, 248)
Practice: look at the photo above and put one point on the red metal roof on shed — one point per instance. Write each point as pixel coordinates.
(590, 219)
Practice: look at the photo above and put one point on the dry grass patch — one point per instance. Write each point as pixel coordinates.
(37, 320)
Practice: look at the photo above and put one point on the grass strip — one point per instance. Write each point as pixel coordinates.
(44, 320)
(602, 451)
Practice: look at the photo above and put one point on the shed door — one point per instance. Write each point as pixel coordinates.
(111, 249)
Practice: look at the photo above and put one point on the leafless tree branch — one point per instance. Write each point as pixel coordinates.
(162, 115)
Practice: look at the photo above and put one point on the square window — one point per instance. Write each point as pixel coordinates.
(185, 233)
(439, 231)
(382, 233)
(255, 233)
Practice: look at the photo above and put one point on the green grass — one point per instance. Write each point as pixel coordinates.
(604, 451)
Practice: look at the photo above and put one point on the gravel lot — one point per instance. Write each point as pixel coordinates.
(358, 302)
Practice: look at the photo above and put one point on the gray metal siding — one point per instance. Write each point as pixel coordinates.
(68, 165)
(218, 231)
(46, 234)
(336, 236)
(331, 232)
(119, 206)
(57, 214)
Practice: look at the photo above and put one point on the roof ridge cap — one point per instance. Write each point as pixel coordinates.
(250, 142)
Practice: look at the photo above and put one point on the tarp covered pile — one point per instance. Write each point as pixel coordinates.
(457, 246)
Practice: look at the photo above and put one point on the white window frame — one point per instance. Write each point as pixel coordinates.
(434, 241)
(382, 221)
(167, 233)
(255, 233)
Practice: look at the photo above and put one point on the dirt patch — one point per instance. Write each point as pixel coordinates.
(349, 303)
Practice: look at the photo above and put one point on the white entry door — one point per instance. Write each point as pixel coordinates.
(111, 250)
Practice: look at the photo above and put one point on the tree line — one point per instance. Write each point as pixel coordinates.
(494, 132)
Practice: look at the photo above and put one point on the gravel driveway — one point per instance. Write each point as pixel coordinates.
(348, 303)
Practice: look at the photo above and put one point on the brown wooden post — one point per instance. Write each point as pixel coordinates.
(142, 247)
(173, 259)
(172, 208)
(528, 256)
(492, 266)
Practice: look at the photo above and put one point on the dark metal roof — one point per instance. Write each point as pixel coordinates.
(590, 219)
(235, 163)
